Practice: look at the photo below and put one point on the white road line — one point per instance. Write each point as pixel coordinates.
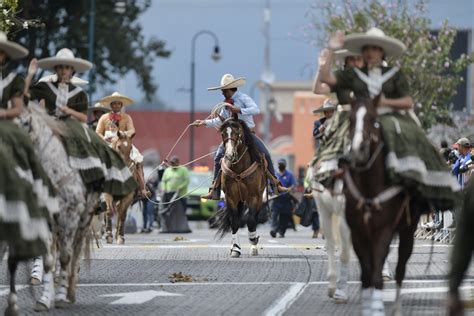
(282, 304)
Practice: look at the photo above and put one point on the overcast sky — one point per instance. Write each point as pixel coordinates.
(238, 25)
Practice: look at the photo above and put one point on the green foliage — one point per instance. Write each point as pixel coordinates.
(10, 22)
(119, 45)
(432, 73)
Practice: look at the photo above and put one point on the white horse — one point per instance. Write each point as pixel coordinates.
(331, 208)
(70, 226)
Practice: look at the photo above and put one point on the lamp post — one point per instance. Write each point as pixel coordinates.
(91, 45)
(215, 56)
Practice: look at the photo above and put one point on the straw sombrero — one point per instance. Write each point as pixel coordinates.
(327, 106)
(99, 107)
(375, 37)
(228, 82)
(74, 80)
(342, 54)
(116, 97)
(12, 49)
(65, 57)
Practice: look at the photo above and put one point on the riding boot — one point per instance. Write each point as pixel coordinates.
(143, 191)
(215, 190)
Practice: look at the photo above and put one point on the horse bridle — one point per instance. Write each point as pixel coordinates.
(374, 155)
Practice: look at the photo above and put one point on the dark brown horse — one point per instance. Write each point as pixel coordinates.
(243, 181)
(123, 145)
(375, 210)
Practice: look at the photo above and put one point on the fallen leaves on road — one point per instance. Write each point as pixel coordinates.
(180, 277)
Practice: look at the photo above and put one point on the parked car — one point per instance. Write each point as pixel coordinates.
(200, 180)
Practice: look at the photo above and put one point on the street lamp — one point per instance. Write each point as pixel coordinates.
(216, 56)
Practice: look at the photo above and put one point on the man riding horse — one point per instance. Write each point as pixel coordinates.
(116, 118)
(245, 108)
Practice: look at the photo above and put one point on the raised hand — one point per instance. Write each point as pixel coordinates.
(323, 57)
(336, 41)
(33, 67)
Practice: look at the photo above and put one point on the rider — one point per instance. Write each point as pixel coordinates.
(27, 196)
(116, 101)
(320, 125)
(101, 168)
(95, 113)
(245, 108)
(411, 160)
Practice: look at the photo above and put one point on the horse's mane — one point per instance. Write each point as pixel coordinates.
(57, 127)
(248, 138)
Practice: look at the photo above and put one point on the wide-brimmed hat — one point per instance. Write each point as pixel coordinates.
(116, 97)
(65, 57)
(228, 82)
(12, 49)
(74, 80)
(464, 142)
(375, 37)
(327, 106)
(342, 54)
(99, 107)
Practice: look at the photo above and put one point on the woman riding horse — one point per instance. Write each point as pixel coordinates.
(413, 167)
(244, 108)
(101, 168)
(27, 196)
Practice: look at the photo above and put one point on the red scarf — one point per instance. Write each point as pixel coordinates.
(115, 116)
(230, 101)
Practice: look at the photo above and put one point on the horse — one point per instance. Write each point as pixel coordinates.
(123, 145)
(376, 210)
(70, 226)
(331, 208)
(243, 180)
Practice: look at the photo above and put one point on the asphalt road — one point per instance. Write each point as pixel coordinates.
(287, 278)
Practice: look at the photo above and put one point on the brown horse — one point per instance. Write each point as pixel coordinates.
(243, 180)
(375, 210)
(123, 145)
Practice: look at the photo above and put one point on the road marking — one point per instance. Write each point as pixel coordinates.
(272, 245)
(282, 304)
(390, 294)
(140, 297)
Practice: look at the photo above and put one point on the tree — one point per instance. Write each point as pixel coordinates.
(432, 73)
(119, 45)
(10, 23)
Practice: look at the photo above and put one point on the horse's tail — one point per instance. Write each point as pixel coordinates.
(222, 220)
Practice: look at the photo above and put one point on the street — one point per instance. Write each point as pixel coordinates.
(288, 277)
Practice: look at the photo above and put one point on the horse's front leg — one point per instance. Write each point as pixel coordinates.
(324, 202)
(252, 227)
(12, 308)
(340, 295)
(36, 276)
(108, 217)
(44, 303)
(122, 216)
(236, 250)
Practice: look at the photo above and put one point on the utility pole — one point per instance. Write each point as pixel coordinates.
(267, 75)
(91, 45)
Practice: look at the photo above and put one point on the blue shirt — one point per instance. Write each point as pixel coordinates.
(462, 162)
(247, 106)
(286, 178)
(283, 202)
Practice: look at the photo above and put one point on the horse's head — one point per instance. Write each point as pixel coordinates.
(364, 130)
(123, 145)
(233, 137)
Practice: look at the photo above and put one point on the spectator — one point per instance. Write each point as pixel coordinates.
(445, 150)
(461, 166)
(282, 206)
(148, 208)
(175, 186)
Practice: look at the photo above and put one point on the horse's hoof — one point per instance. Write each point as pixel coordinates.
(253, 251)
(109, 239)
(340, 297)
(120, 240)
(62, 303)
(12, 310)
(234, 254)
(41, 307)
(35, 281)
(331, 291)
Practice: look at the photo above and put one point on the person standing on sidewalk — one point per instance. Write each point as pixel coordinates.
(282, 206)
